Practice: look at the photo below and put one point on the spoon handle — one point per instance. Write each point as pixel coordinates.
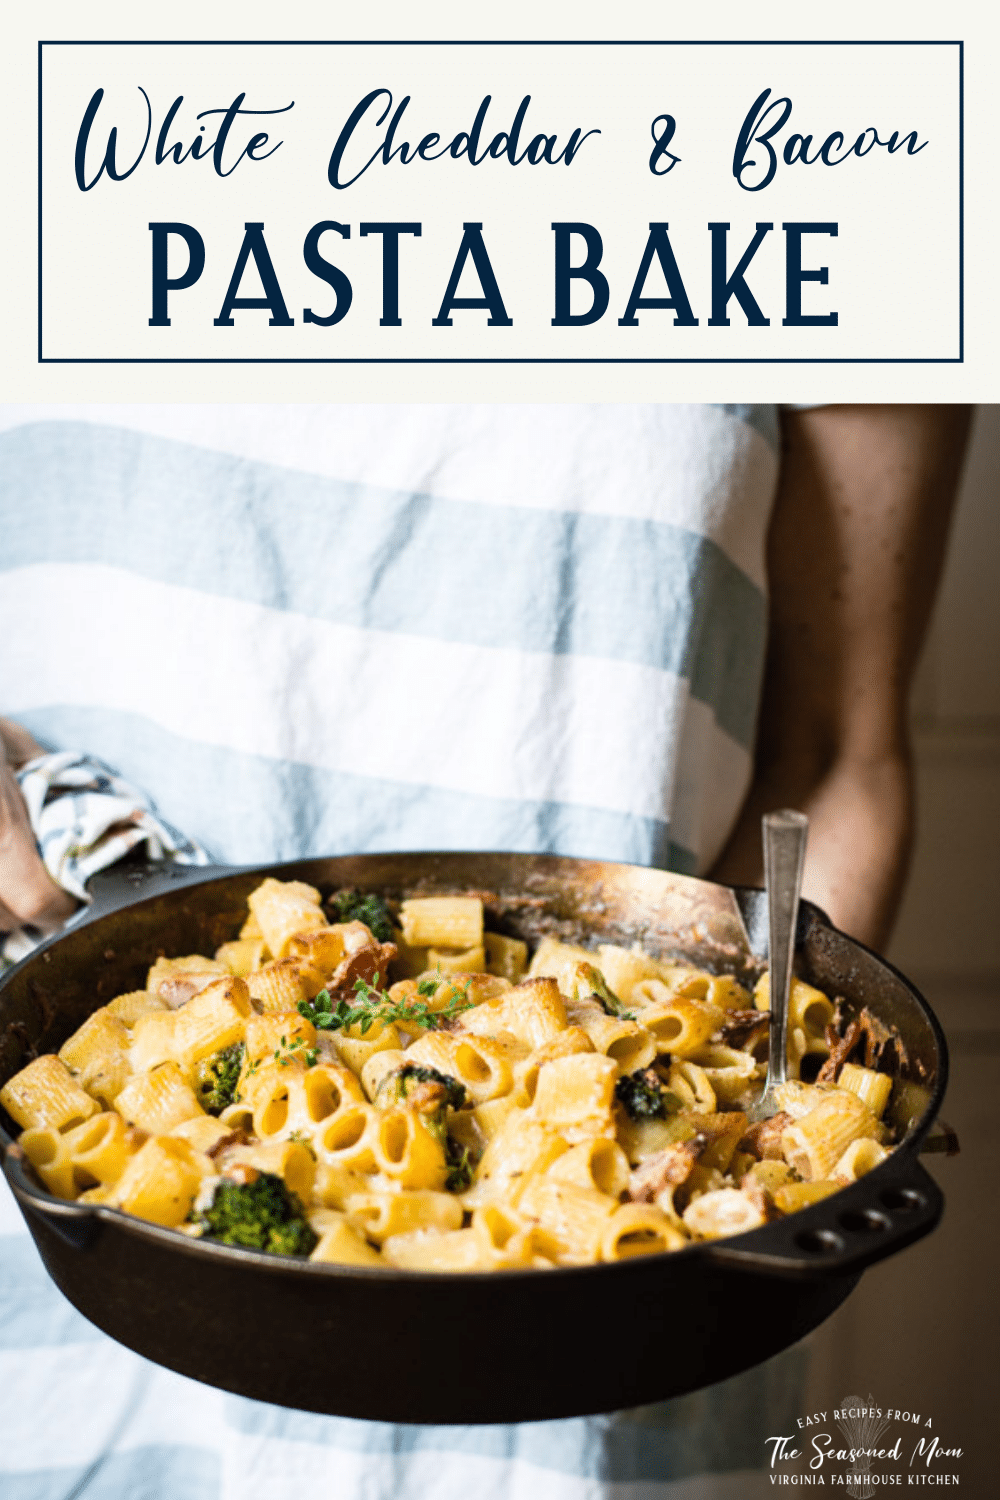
(784, 852)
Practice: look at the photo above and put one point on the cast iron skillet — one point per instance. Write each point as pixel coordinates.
(500, 1347)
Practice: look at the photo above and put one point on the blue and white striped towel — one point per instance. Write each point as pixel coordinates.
(86, 817)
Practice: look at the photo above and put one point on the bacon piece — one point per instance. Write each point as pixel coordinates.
(668, 1168)
(741, 1025)
(177, 989)
(364, 963)
(878, 1036)
(844, 1037)
(763, 1140)
(225, 1143)
(841, 1048)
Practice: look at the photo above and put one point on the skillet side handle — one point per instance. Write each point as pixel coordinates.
(855, 1228)
(76, 1223)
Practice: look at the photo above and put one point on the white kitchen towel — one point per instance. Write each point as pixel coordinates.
(86, 817)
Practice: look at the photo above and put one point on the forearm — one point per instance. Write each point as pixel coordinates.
(860, 837)
(28, 894)
(854, 553)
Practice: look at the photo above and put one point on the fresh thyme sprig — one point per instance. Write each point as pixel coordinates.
(372, 1005)
(297, 1047)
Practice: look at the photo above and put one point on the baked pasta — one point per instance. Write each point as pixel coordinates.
(404, 1088)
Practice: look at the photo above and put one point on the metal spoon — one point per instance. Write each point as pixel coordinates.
(784, 851)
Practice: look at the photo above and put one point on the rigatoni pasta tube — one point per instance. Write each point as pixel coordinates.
(558, 961)
(457, 960)
(691, 1084)
(161, 1181)
(423, 1250)
(379, 1067)
(490, 1117)
(349, 1137)
(158, 1100)
(505, 956)
(242, 956)
(50, 1156)
(519, 1148)
(340, 1244)
(98, 1054)
(154, 1040)
(203, 1131)
(505, 1239)
(628, 1044)
(282, 909)
(321, 950)
(268, 1034)
(176, 979)
(713, 1215)
(406, 1151)
(576, 1217)
(858, 1160)
(534, 1011)
(129, 1007)
(479, 1063)
(729, 1070)
(598, 1163)
(45, 1093)
(720, 990)
(100, 1148)
(681, 1025)
(792, 1196)
(813, 1145)
(378, 1215)
(356, 1052)
(280, 985)
(575, 1094)
(326, 1088)
(638, 1229)
(216, 1018)
(769, 1175)
(442, 922)
(268, 1093)
(624, 968)
(335, 1183)
(808, 1007)
(872, 1088)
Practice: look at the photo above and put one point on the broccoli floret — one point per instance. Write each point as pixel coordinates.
(216, 1078)
(353, 906)
(460, 1166)
(643, 1096)
(429, 1092)
(262, 1214)
(589, 984)
(411, 1075)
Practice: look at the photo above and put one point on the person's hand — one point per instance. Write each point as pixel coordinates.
(28, 894)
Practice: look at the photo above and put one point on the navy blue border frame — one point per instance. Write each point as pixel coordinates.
(521, 42)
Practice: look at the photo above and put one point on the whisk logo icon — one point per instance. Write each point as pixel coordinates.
(862, 1424)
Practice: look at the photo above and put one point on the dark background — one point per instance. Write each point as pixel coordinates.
(922, 1331)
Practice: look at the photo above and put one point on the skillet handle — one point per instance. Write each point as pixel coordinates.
(133, 880)
(76, 1223)
(896, 1204)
